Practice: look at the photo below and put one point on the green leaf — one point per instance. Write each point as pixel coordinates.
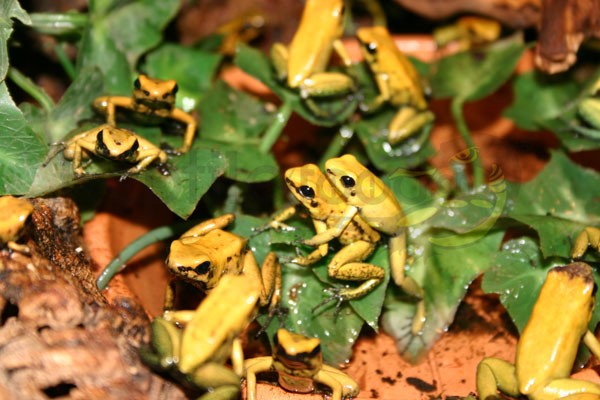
(232, 122)
(412, 152)
(257, 64)
(444, 263)
(444, 273)
(21, 149)
(558, 203)
(119, 33)
(192, 174)
(563, 128)
(193, 69)
(472, 76)
(540, 97)
(302, 291)
(518, 274)
(73, 107)
(10, 9)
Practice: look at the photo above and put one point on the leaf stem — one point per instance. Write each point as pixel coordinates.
(274, 130)
(64, 60)
(337, 144)
(59, 24)
(463, 130)
(31, 88)
(156, 235)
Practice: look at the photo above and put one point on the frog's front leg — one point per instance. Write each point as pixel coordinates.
(268, 278)
(329, 234)
(590, 236)
(279, 58)
(494, 374)
(254, 366)
(108, 104)
(320, 252)
(408, 121)
(147, 157)
(347, 265)
(190, 130)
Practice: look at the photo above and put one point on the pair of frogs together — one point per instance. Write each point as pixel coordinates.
(303, 66)
(152, 102)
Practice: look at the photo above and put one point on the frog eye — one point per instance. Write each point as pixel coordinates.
(203, 268)
(306, 192)
(347, 181)
(137, 84)
(371, 48)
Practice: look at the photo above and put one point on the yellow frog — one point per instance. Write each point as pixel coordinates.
(112, 143)
(197, 353)
(589, 237)
(14, 214)
(303, 64)
(588, 110)
(153, 102)
(468, 32)
(206, 253)
(398, 82)
(298, 361)
(370, 198)
(548, 345)
(241, 29)
(326, 208)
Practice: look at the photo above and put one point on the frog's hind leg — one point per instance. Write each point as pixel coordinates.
(494, 374)
(347, 265)
(572, 389)
(408, 284)
(407, 122)
(590, 236)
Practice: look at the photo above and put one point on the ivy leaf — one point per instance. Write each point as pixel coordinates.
(10, 9)
(444, 263)
(119, 33)
(232, 123)
(412, 152)
(257, 64)
(540, 97)
(193, 69)
(558, 204)
(471, 76)
(302, 291)
(563, 127)
(21, 149)
(517, 275)
(191, 174)
(73, 107)
(444, 273)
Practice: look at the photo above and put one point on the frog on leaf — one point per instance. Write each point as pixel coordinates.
(152, 103)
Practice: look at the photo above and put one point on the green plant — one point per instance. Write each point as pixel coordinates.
(456, 233)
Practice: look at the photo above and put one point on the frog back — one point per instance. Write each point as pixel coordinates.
(402, 78)
(375, 201)
(223, 314)
(311, 47)
(548, 346)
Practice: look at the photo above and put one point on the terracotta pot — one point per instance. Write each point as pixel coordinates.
(482, 327)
